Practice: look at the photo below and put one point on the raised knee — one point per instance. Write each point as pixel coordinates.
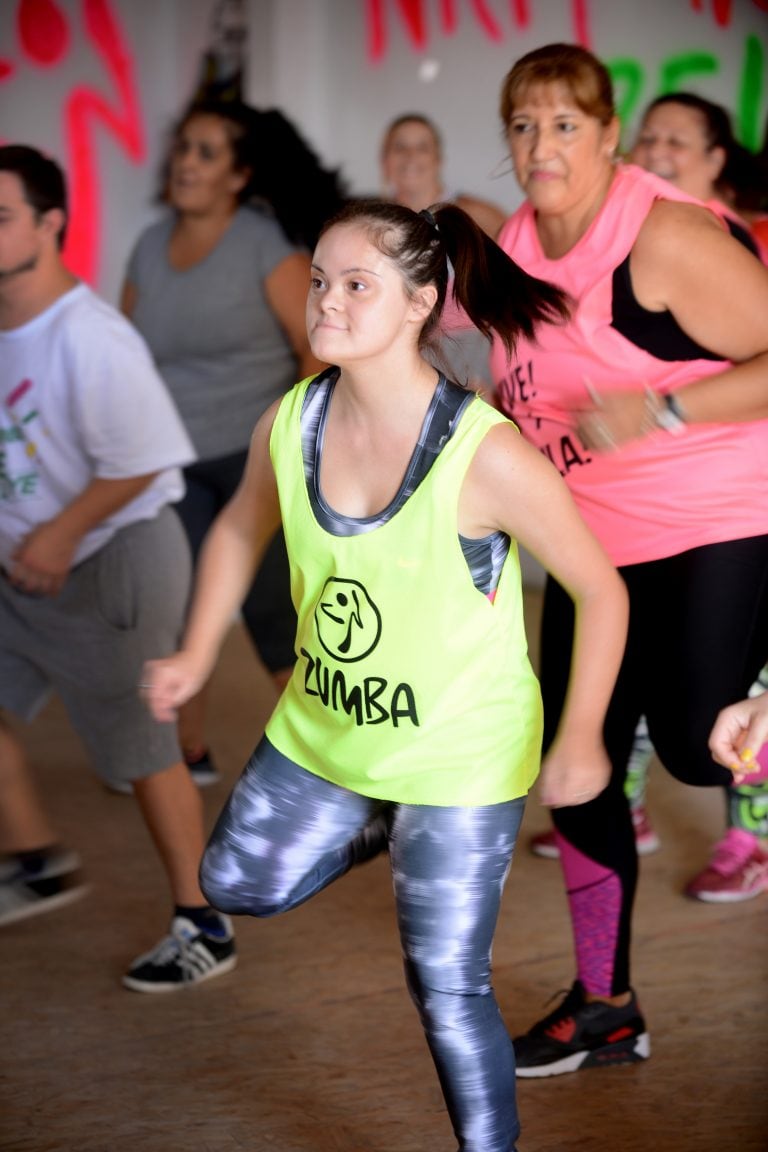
(228, 892)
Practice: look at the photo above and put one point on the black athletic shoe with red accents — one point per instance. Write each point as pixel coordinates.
(582, 1034)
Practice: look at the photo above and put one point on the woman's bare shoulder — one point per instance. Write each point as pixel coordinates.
(486, 215)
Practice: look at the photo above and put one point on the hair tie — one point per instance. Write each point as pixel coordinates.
(427, 215)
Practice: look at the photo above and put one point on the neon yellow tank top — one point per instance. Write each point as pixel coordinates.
(410, 685)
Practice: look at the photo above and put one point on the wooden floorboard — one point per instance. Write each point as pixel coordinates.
(311, 1044)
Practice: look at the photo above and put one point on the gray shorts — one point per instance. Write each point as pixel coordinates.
(117, 609)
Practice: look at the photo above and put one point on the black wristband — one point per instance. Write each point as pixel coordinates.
(668, 414)
(675, 407)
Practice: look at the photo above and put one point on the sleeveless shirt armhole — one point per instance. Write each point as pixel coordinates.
(742, 235)
(655, 332)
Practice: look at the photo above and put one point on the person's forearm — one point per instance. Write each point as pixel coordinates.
(598, 647)
(740, 393)
(100, 500)
(225, 571)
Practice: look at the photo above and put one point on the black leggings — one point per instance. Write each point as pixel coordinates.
(267, 610)
(698, 637)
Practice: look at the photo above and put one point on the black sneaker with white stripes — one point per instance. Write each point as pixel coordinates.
(187, 956)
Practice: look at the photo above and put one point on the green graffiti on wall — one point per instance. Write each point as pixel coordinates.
(628, 76)
(751, 131)
(679, 72)
(684, 71)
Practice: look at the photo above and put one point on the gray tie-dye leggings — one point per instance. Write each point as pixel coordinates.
(286, 834)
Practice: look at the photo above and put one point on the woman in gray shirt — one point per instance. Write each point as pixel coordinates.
(218, 292)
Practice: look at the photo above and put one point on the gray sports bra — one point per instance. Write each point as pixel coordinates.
(485, 556)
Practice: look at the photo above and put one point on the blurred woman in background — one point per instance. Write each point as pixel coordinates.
(411, 159)
(412, 172)
(217, 288)
(689, 141)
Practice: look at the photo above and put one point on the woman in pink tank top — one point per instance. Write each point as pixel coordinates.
(652, 401)
(689, 141)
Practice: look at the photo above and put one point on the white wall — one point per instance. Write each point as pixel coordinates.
(161, 41)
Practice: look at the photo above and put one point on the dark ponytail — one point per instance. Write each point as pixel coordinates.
(494, 291)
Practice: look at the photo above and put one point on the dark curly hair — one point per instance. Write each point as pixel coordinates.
(283, 171)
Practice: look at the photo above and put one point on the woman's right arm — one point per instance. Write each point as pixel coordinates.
(230, 557)
(511, 486)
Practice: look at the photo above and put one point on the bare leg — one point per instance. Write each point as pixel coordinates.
(24, 825)
(173, 811)
(192, 716)
(201, 943)
(192, 725)
(281, 676)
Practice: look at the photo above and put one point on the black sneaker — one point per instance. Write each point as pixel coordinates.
(26, 891)
(582, 1034)
(188, 956)
(203, 770)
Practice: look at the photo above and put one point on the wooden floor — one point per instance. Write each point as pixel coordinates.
(311, 1044)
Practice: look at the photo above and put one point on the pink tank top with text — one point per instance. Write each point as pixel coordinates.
(656, 496)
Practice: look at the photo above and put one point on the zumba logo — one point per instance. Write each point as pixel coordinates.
(347, 620)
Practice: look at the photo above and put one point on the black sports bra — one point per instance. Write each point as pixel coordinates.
(658, 332)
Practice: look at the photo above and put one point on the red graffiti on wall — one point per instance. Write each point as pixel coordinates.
(43, 32)
(44, 37)
(723, 9)
(413, 14)
(521, 15)
(414, 17)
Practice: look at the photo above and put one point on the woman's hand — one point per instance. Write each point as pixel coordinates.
(169, 683)
(738, 735)
(42, 561)
(613, 419)
(573, 773)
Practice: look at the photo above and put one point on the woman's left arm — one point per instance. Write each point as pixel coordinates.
(286, 289)
(685, 262)
(717, 291)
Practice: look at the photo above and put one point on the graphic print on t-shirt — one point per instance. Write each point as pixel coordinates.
(17, 446)
(347, 620)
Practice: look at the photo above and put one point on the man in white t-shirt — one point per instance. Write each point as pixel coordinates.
(94, 569)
